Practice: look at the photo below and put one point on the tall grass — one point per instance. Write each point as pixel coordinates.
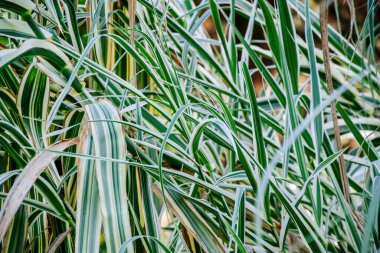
(133, 130)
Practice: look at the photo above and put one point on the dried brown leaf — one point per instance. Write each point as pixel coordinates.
(25, 181)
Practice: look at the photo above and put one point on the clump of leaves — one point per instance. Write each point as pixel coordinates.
(133, 130)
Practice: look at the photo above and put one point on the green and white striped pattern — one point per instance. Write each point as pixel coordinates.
(128, 129)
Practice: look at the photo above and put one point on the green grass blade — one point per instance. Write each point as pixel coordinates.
(111, 177)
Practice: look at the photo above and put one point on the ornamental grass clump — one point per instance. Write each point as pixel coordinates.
(188, 126)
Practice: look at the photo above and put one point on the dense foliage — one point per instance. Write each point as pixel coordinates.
(126, 127)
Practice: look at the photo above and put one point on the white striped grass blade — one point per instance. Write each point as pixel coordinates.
(109, 142)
